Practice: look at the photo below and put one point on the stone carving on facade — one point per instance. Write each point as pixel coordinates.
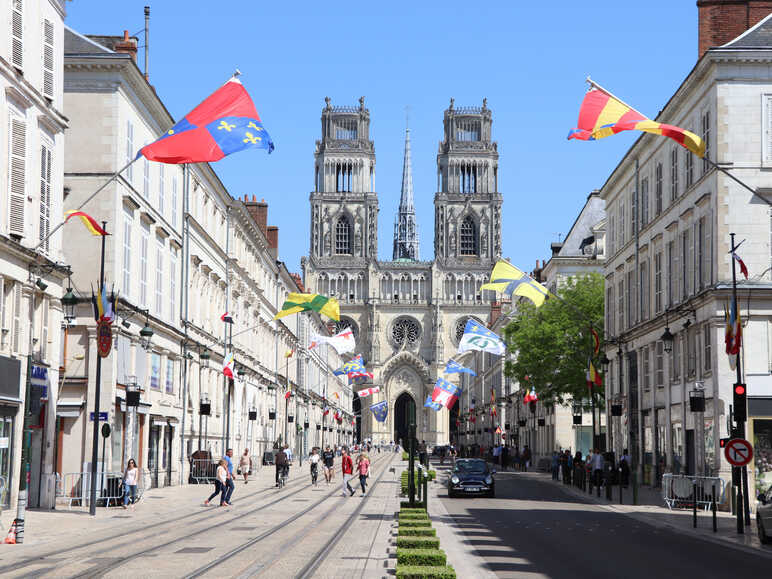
(358, 241)
(327, 245)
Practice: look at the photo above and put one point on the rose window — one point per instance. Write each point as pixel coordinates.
(405, 329)
(346, 323)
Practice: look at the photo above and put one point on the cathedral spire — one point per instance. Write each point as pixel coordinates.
(405, 225)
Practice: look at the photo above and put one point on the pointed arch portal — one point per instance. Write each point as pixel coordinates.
(404, 408)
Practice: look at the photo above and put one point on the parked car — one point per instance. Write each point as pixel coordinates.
(764, 517)
(471, 476)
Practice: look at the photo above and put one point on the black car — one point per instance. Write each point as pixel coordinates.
(764, 516)
(471, 476)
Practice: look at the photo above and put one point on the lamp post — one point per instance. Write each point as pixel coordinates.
(132, 404)
(204, 409)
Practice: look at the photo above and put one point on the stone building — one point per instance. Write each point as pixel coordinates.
(407, 315)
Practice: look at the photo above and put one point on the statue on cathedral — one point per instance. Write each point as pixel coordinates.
(327, 104)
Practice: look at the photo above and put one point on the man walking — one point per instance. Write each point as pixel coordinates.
(597, 467)
(347, 467)
(229, 484)
(328, 460)
(280, 460)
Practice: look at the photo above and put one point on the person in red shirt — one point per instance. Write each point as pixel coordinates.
(347, 466)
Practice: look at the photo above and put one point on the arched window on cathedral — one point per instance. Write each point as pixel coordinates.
(468, 242)
(343, 236)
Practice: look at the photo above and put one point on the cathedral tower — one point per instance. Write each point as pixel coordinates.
(467, 218)
(405, 224)
(344, 206)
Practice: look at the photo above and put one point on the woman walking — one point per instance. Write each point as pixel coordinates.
(219, 484)
(245, 465)
(363, 468)
(130, 478)
(314, 460)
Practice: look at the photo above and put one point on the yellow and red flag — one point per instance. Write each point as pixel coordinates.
(595, 342)
(602, 115)
(593, 378)
(90, 223)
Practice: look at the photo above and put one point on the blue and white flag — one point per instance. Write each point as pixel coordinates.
(430, 404)
(453, 367)
(478, 337)
(380, 410)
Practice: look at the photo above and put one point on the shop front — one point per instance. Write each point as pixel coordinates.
(760, 435)
(10, 423)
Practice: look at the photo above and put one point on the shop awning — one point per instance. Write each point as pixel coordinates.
(69, 406)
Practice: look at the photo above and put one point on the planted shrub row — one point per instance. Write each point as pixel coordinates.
(418, 552)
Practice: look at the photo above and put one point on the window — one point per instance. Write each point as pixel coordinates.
(620, 305)
(159, 278)
(127, 223)
(343, 236)
(672, 273)
(658, 282)
(646, 369)
(174, 200)
(644, 289)
(143, 249)
(675, 370)
(161, 190)
(48, 59)
(610, 308)
(346, 128)
(621, 232)
(173, 284)
(169, 376)
(467, 175)
(343, 175)
(706, 348)
(689, 169)
(17, 34)
(633, 213)
(686, 264)
(46, 160)
(644, 201)
(705, 258)
(467, 130)
(129, 149)
(612, 232)
(146, 178)
(674, 173)
(468, 241)
(631, 305)
(155, 371)
(706, 138)
(659, 365)
(691, 352)
(17, 163)
(658, 188)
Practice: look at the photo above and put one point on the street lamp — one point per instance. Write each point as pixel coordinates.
(667, 339)
(204, 358)
(697, 405)
(69, 301)
(577, 412)
(204, 409)
(146, 334)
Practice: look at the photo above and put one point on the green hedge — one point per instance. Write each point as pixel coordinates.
(405, 455)
(425, 531)
(414, 523)
(405, 508)
(408, 505)
(414, 517)
(421, 572)
(426, 557)
(432, 474)
(418, 542)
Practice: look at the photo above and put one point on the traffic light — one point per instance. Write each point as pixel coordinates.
(723, 442)
(740, 404)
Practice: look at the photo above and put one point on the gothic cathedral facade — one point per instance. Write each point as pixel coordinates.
(407, 315)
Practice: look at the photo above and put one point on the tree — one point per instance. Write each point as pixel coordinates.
(552, 344)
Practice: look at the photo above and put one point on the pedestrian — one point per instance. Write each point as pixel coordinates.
(363, 468)
(526, 458)
(504, 457)
(578, 469)
(567, 466)
(245, 465)
(219, 483)
(347, 468)
(314, 460)
(496, 454)
(555, 464)
(288, 452)
(229, 484)
(280, 460)
(597, 468)
(328, 460)
(422, 452)
(624, 464)
(130, 477)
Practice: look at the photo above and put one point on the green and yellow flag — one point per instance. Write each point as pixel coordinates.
(506, 278)
(297, 302)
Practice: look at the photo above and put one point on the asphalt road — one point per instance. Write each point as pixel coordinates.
(535, 529)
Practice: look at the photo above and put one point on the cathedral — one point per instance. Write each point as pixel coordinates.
(407, 314)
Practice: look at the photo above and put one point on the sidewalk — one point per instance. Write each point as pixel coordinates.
(651, 509)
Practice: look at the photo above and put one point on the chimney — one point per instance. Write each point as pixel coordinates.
(273, 240)
(721, 21)
(259, 212)
(495, 313)
(127, 45)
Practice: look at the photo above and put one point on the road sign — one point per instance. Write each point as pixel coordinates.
(738, 452)
(102, 416)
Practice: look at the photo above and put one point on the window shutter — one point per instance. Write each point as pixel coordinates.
(161, 191)
(48, 59)
(16, 317)
(17, 163)
(17, 34)
(129, 149)
(44, 330)
(46, 159)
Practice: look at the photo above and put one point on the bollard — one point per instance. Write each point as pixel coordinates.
(713, 508)
(620, 486)
(734, 502)
(694, 503)
(426, 493)
(634, 476)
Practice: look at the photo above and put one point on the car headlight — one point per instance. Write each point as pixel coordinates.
(489, 480)
(454, 479)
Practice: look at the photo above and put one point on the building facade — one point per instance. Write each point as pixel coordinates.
(407, 315)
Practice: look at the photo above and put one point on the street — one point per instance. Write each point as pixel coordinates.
(537, 529)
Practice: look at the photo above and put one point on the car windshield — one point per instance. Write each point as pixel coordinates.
(471, 467)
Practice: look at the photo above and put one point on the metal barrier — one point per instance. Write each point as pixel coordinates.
(76, 488)
(203, 470)
(678, 491)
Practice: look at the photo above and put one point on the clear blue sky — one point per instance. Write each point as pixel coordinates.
(529, 59)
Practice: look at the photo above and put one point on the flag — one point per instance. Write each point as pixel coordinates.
(595, 342)
(602, 115)
(228, 364)
(337, 396)
(226, 122)
(592, 376)
(493, 403)
(478, 337)
(743, 269)
(354, 369)
(498, 430)
(453, 367)
(531, 396)
(430, 404)
(445, 393)
(287, 394)
(506, 278)
(90, 223)
(343, 341)
(380, 410)
(297, 302)
(368, 391)
(226, 317)
(288, 353)
(338, 416)
(326, 410)
(733, 333)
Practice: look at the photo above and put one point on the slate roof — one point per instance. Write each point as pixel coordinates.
(76, 43)
(760, 36)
